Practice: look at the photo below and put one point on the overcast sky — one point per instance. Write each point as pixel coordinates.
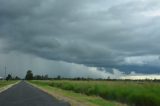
(90, 38)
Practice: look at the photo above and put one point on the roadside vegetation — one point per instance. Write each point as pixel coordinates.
(132, 93)
(4, 83)
(75, 99)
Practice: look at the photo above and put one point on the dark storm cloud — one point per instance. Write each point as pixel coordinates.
(90, 32)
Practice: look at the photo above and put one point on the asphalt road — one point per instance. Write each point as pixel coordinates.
(24, 94)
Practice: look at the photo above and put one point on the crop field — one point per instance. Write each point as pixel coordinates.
(128, 92)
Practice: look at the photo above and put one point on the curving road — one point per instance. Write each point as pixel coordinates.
(24, 94)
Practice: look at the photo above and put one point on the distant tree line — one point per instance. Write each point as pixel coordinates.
(30, 76)
(9, 77)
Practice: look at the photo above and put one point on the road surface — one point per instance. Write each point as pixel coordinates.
(24, 94)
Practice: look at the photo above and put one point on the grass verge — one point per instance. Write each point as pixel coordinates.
(133, 93)
(4, 85)
(75, 99)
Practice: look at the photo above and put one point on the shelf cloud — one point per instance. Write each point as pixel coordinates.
(121, 35)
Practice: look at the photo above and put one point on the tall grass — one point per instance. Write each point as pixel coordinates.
(132, 93)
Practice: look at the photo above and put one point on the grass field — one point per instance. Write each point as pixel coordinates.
(4, 84)
(75, 99)
(131, 93)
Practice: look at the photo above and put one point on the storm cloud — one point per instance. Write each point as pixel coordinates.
(122, 35)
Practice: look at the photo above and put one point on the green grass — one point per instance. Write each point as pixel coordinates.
(132, 93)
(78, 97)
(4, 83)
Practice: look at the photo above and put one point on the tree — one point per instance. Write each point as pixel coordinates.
(37, 77)
(58, 77)
(9, 77)
(46, 77)
(29, 75)
(16, 78)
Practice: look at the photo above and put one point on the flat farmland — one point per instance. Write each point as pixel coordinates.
(132, 93)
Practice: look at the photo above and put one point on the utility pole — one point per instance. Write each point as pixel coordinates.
(5, 69)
